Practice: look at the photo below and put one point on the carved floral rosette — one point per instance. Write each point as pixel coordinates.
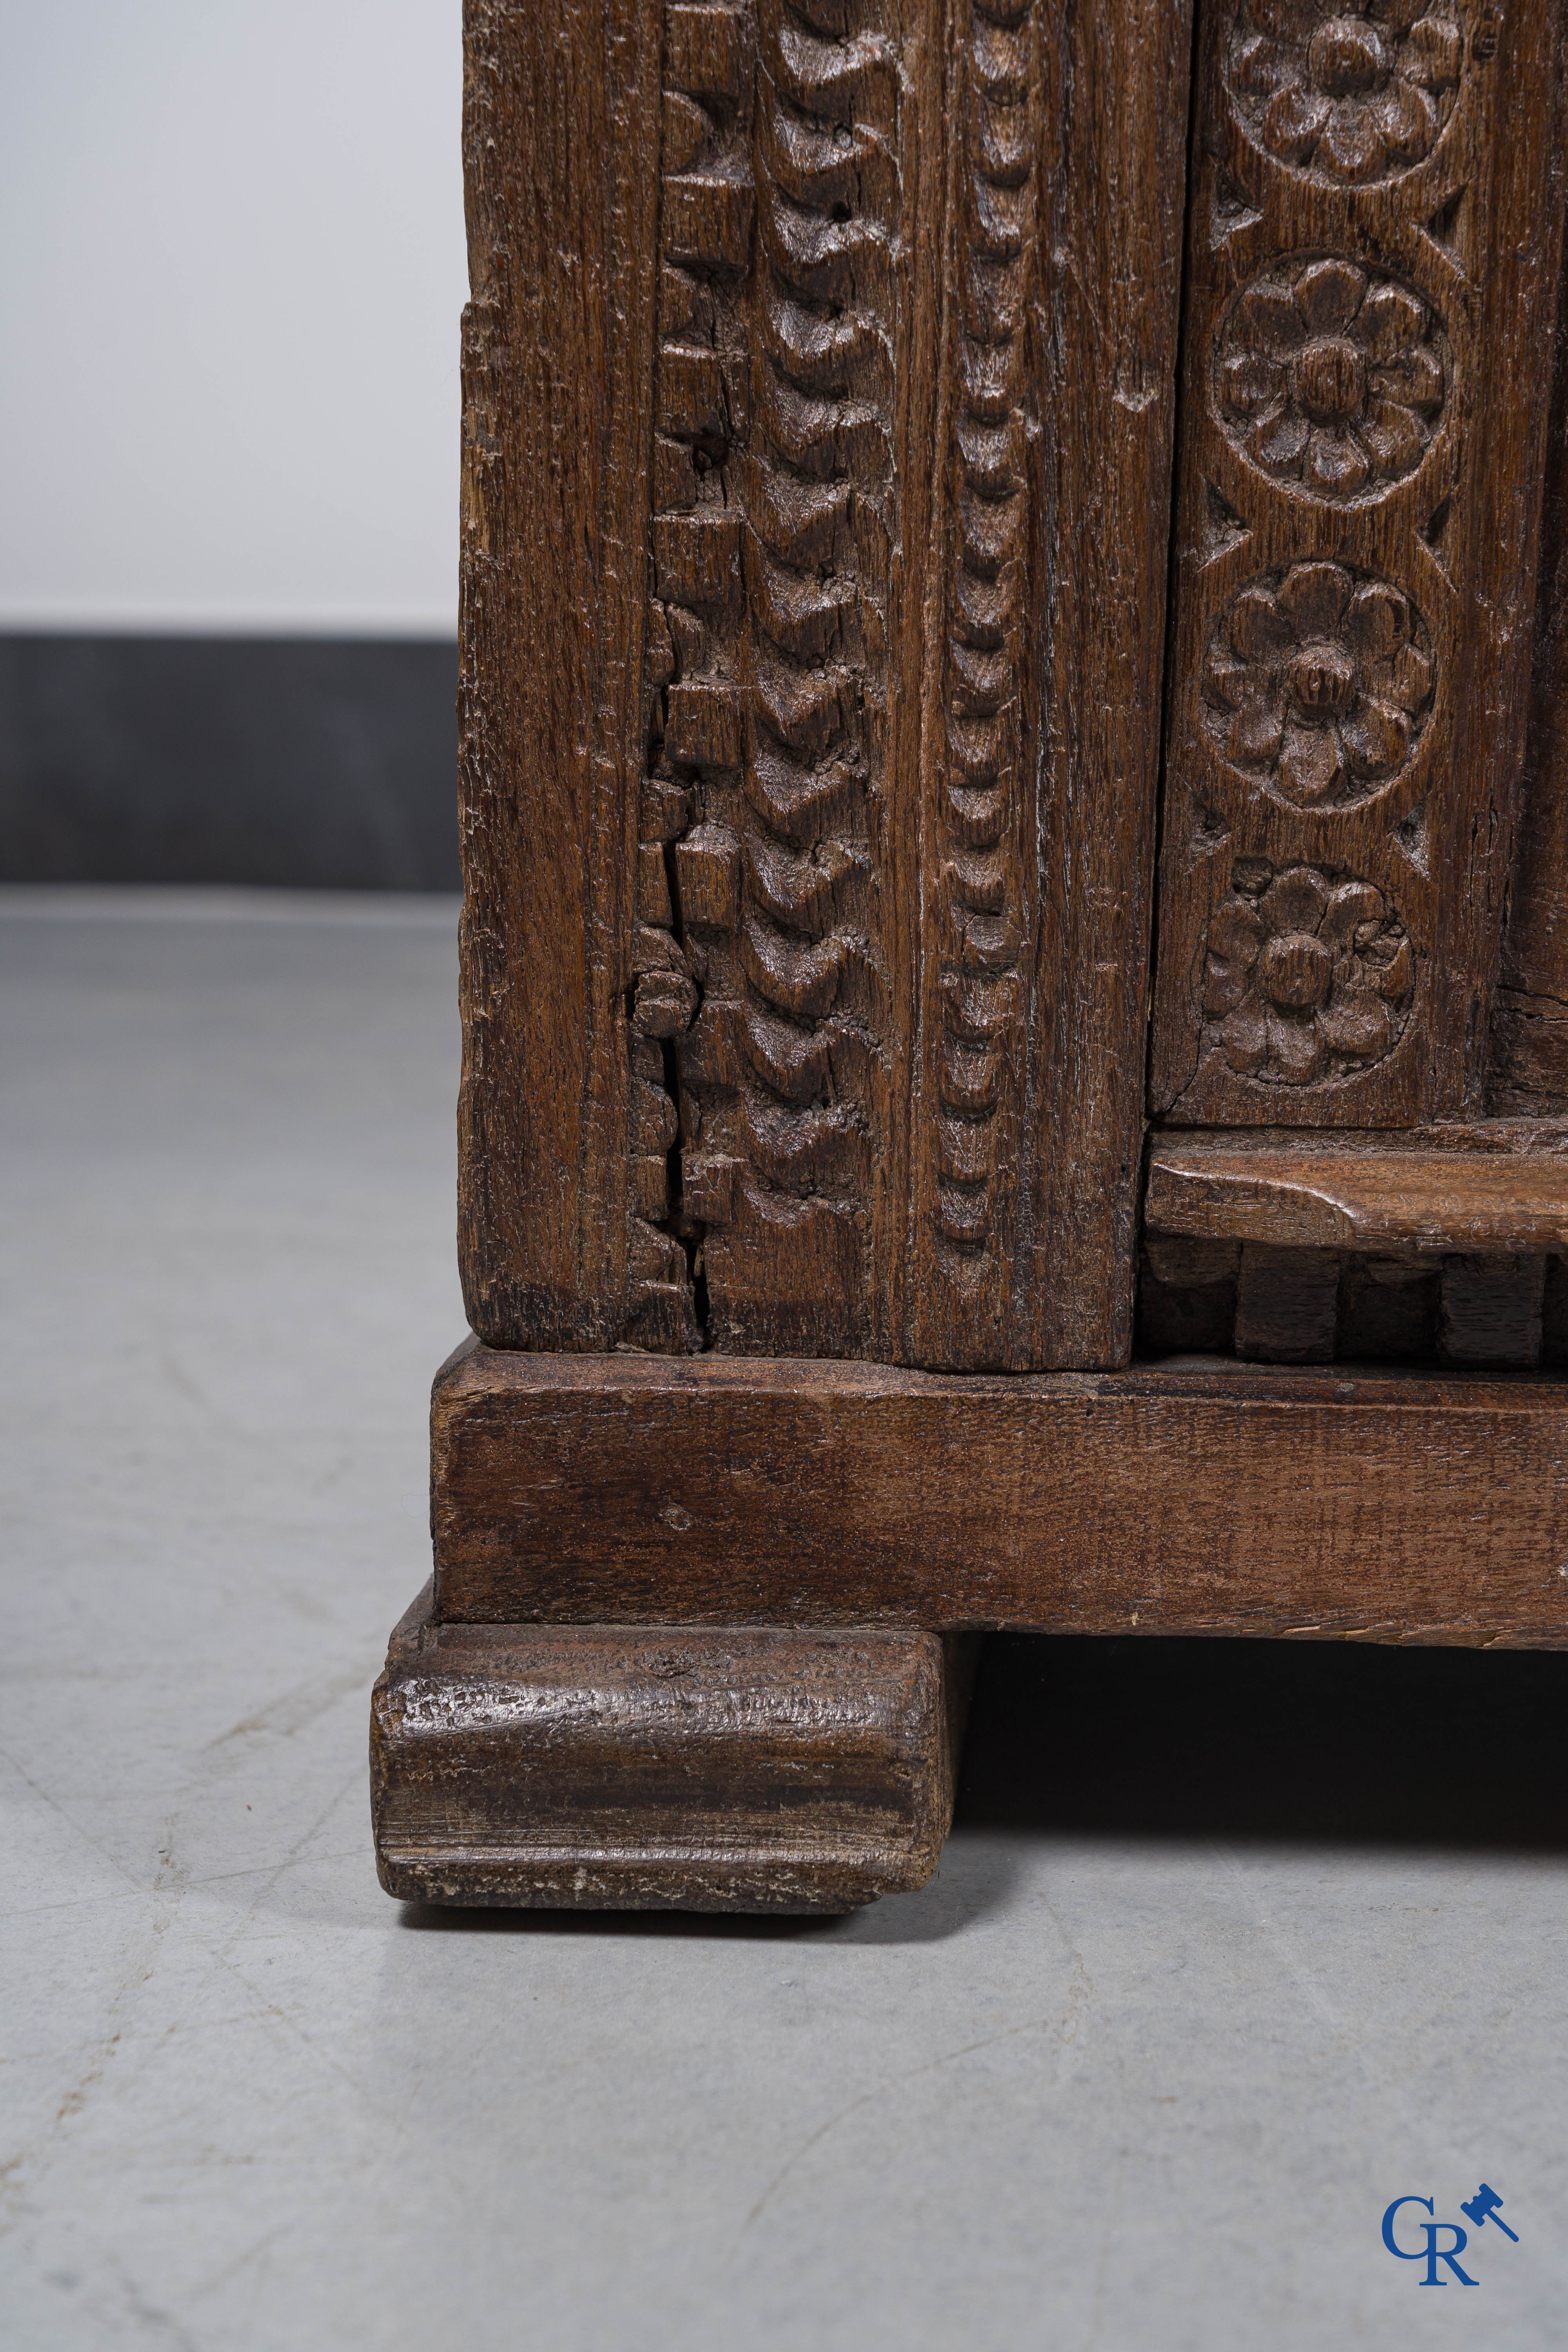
(1317, 683)
(1330, 376)
(1348, 97)
(1307, 974)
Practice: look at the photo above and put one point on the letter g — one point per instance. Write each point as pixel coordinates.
(1388, 2228)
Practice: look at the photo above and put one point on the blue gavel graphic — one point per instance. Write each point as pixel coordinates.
(1483, 2207)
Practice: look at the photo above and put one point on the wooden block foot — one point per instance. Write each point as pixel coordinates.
(661, 1768)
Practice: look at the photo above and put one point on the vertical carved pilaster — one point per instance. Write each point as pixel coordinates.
(1529, 1068)
(561, 176)
(910, 462)
(978, 947)
(784, 1073)
(1372, 262)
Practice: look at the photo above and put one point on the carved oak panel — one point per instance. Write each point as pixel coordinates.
(1372, 244)
(820, 418)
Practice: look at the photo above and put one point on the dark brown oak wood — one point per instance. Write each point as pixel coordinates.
(1186, 1296)
(1529, 1033)
(560, 115)
(818, 387)
(1376, 1192)
(1185, 1500)
(1389, 1310)
(821, 384)
(1491, 1309)
(593, 1766)
(1031, 862)
(1287, 1305)
(1118, 121)
(1269, 1303)
(1375, 232)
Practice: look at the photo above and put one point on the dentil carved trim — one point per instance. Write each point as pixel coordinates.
(980, 1020)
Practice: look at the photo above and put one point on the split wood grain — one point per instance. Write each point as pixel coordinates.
(653, 1767)
(1388, 1508)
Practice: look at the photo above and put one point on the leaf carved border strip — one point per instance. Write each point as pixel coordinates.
(760, 1021)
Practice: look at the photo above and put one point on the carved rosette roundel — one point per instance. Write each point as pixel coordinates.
(1317, 683)
(1307, 974)
(1347, 97)
(1332, 377)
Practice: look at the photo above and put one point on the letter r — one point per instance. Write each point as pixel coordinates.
(1435, 2254)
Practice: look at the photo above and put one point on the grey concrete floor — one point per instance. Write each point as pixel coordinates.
(1230, 1948)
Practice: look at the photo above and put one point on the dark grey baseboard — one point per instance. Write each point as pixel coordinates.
(301, 762)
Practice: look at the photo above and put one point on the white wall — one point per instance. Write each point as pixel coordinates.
(231, 265)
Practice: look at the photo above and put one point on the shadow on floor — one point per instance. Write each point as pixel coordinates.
(1179, 1737)
(738, 1926)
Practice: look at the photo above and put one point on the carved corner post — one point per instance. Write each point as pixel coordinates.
(819, 386)
(561, 149)
(820, 383)
(819, 394)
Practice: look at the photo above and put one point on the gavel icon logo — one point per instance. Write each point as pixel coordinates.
(1483, 2207)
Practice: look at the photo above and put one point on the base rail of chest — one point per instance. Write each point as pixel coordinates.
(1184, 1497)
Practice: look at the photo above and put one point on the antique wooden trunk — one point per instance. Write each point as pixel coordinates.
(1014, 806)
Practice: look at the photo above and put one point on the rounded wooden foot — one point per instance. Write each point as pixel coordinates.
(661, 1768)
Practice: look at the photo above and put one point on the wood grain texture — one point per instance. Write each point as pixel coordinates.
(560, 147)
(1383, 1192)
(656, 1768)
(909, 1095)
(1115, 237)
(1490, 1311)
(1287, 1305)
(1399, 1508)
(809, 796)
(1035, 854)
(1373, 245)
(1529, 1029)
(1265, 1303)
(792, 1169)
